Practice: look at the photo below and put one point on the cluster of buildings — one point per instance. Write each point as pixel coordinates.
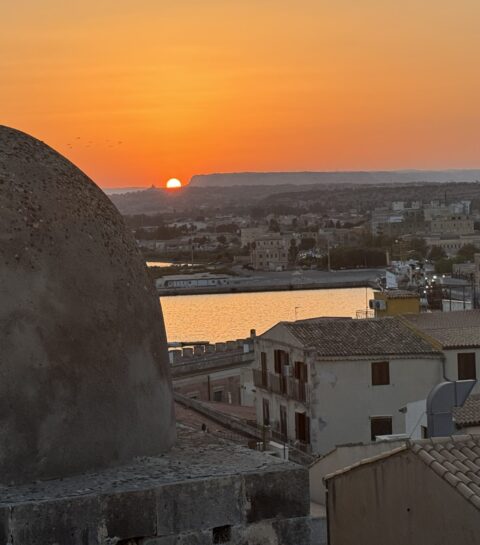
(356, 393)
(447, 226)
(351, 400)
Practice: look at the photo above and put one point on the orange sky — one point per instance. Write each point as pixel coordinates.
(135, 92)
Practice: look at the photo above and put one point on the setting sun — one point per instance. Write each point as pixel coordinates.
(174, 183)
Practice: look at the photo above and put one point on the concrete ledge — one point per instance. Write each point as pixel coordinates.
(288, 286)
(204, 486)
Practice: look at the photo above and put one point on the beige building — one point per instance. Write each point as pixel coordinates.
(426, 492)
(270, 253)
(476, 272)
(457, 335)
(329, 381)
(452, 243)
(452, 225)
(248, 235)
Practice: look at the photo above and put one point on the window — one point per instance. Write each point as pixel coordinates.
(283, 421)
(466, 366)
(380, 373)
(266, 412)
(280, 359)
(263, 359)
(300, 371)
(218, 395)
(380, 425)
(302, 427)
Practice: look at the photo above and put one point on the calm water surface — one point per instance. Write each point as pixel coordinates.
(220, 317)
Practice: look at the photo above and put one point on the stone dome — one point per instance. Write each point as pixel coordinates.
(85, 380)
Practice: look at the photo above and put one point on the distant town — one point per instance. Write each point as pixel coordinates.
(415, 232)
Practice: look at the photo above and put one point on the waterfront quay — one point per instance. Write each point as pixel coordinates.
(204, 283)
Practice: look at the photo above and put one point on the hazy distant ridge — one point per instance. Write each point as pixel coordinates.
(305, 178)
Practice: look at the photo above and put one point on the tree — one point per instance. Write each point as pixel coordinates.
(419, 246)
(307, 244)
(444, 266)
(467, 252)
(292, 251)
(437, 252)
(273, 226)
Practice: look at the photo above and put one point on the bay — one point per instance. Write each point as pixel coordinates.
(228, 316)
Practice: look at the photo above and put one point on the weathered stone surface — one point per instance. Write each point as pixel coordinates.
(273, 497)
(182, 497)
(84, 374)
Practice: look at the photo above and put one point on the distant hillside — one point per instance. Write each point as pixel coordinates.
(309, 178)
(121, 190)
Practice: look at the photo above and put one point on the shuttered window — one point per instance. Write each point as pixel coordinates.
(380, 373)
(302, 427)
(301, 371)
(380, 425)
(466, 366)
(280, 359)
(266, 412)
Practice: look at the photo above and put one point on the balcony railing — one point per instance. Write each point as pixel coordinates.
(282, 385)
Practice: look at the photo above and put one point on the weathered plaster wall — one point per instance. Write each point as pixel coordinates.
(341, 457)
(343, 397)
(398, 501)
(451, 365)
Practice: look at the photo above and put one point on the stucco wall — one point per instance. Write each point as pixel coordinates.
(344, 399)
(451, 367)
(398, 501)
(343, 456)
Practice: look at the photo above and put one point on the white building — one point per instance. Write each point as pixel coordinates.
(330, 381)
(271, 253)
(248, 235)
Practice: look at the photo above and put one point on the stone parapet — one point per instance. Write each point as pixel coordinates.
(204, 491)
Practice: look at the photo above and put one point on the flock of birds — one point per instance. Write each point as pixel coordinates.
(89, 143)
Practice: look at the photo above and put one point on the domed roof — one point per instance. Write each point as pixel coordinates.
(84, 374)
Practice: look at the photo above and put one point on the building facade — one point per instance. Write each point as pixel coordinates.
(270, 253)
(425, 492)
(328, 381)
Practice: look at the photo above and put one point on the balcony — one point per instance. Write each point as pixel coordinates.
(282, 385)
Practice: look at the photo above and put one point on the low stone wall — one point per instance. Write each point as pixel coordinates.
(341, 457)
(239, 426)
(209, 351)
(201, 493)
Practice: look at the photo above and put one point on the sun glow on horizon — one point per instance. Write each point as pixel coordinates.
(174, 183)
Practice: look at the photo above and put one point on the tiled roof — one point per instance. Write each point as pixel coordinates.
(469, 414)
(400, 294)
(456, 460)
(343, 337)
(459, 329)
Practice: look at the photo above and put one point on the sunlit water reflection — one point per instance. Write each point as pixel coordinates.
(221, 317)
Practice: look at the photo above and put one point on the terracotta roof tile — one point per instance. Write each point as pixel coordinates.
(460, 329)
(469, 414)
(343, 337)
(455, 461)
